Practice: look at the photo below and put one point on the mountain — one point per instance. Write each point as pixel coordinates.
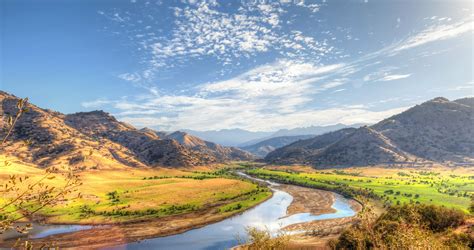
(261, 149)
(314, 130)
(228, 137)
(220, 152)
(438, 130)
(97, 140)
(243, 138)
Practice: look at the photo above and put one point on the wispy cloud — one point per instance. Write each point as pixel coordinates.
(282, 94)
(96, 103)
(437, 32)
(394, 77)
(204, 30)
(269, 97)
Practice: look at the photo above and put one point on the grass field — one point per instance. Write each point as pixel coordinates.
(440, 186)
(122, 195)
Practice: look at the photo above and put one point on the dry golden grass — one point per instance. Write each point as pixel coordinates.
(136, 192)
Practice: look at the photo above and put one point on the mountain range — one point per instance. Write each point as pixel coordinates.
(438, 130)
(262, 148)
(244, 138)
(97, 140)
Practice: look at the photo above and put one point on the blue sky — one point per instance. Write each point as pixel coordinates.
(208, 65)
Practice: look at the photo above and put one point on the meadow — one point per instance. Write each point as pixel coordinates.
(122, 195)
(442, 186)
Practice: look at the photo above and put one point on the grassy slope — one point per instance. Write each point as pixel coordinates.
(439, 186)
(176, 193)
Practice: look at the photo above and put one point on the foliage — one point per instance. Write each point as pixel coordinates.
(407, 227)
(24, 196)
(263, 239)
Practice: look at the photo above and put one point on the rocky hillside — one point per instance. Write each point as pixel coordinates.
(301, 151)
(437, 131)
(220, 152)
(261, 149)
(94, 140)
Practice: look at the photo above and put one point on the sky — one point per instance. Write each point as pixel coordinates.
(255, 65)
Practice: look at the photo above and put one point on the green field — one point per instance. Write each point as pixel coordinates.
(439, 186)
(110, 196)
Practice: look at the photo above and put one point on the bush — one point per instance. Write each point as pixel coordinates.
(262, 239)
(408, 227)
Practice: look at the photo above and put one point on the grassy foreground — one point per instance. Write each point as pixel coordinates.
(110, 196)
(438, 186)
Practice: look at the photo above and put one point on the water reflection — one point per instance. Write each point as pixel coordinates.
(40, 231)
(224, 234)
(269, 215)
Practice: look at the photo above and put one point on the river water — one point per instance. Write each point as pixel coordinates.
(270, 215)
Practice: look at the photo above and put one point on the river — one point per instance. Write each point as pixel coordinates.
(270, 215)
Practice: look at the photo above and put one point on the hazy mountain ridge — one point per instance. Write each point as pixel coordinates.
(261, 149)
(438, 130)
(244, 138)
(228, 137)
(97, 140)
(283, 137)
(315, 130)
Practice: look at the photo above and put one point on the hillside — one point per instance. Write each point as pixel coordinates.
(228, 137)
(300, 151)
(315, 130)
(261, 149)
(438, 130)
(96, 140)
(219, 152)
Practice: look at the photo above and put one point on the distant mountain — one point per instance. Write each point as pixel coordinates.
(228, 137)
(314, 130)
(220, 152)
(261, 149)
(438, 130)
(243, 138)
(97, 140)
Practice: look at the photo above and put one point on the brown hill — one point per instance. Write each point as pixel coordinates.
(43, 137)
(438, 131)
(94, 140)
(220, 152)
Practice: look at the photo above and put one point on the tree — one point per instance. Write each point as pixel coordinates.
(471, 207)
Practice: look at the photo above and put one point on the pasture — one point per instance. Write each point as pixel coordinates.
(442, 186)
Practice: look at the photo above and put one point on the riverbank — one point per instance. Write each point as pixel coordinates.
(299, 200)
(122, 233)
(314, 234)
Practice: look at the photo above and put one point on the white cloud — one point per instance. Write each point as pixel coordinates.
(437, 33)
(96, 103)
(204, 30)
(384, 74)
(394, 77)
(269, 97)
(131, 77)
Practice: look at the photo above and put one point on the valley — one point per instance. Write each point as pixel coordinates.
(138, 188)
(142, 204)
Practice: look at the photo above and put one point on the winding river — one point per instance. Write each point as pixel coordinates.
(270, 215)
